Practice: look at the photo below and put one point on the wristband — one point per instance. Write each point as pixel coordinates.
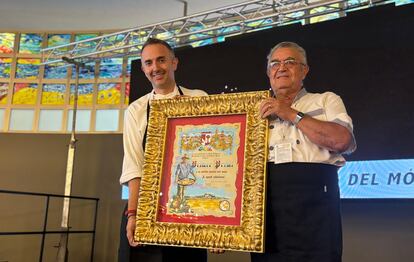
(130, 212)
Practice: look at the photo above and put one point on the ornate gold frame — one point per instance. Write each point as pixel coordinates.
(249, 236)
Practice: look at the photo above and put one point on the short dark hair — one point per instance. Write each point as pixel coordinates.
(156, 41)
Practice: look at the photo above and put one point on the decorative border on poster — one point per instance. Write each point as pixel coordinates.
(204, 177)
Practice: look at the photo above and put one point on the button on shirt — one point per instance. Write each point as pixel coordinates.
(325, 107)
(134, 128)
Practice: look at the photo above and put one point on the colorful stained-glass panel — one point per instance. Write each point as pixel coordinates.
(231, 29)
(30, 43)
(58, 39)
(109, 93)
(353, 3)
(27, 68)
(85, 94)
(356, 2)
(322, 9)
(53, 94)
(56, 71)
(111, 68)
(113, 41)
(5, 67)
(403, 2)
(24, 94)
(4, 90)
(207, 38)
(293, 18)
(87, 72)
(6, 43)
(81, 37)
(261, 23)
(136, 48)
(137, 39)
(127, 88)
(208, 41)
(89, 46)
(164, 35)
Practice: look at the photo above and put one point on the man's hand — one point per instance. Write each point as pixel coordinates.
(279, 107)
(133, 186)
(130, 229)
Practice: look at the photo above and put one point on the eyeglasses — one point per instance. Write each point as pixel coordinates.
(289, 63)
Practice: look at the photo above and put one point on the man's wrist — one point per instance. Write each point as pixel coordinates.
(129, 216)
(130, 213)
(299, 116)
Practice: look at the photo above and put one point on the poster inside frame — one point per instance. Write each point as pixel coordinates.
(203, 182)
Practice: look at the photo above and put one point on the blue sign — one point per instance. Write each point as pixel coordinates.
(377, 179)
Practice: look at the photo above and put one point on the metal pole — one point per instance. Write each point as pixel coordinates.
(94, 230)
(185, 6)
(44, 229)
(62, 254)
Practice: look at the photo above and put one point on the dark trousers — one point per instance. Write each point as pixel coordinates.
(150, 253)
(303, 221)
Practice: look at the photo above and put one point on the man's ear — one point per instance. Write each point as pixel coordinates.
(305, 71)
(175, 63)
(142, 68)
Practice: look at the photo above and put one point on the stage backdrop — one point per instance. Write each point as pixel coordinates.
(367, 58)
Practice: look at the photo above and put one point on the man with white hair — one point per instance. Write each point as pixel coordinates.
(308, 133)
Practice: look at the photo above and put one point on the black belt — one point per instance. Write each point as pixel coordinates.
(303, 173)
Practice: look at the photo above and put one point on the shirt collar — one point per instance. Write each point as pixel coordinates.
(302, 92)
(166, 96)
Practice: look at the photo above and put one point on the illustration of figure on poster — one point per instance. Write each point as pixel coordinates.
(204, 170)
(184, 176)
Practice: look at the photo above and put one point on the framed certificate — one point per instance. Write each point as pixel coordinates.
(203, 183)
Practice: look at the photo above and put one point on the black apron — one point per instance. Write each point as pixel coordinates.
(303, 221)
